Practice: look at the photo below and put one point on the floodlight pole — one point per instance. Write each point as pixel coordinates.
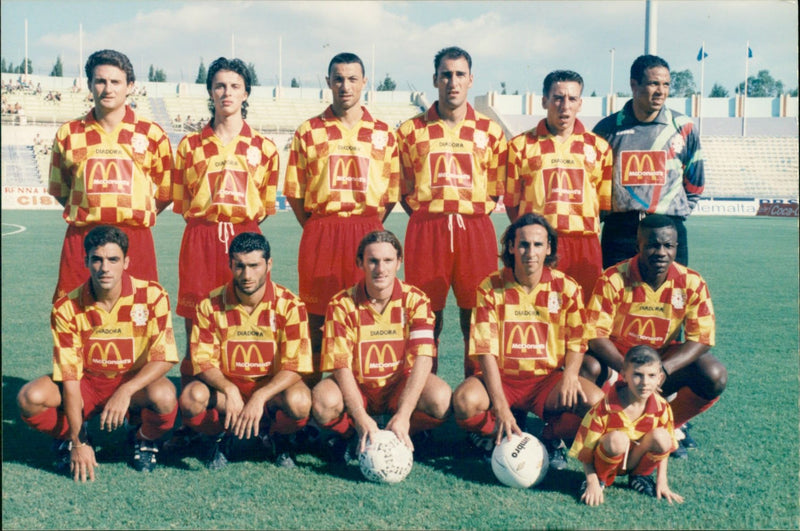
(650, 28)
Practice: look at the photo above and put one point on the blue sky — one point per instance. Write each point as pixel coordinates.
(516, 42)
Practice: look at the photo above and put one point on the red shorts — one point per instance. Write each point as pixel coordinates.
(326, 263)
(530, 393)
(580, 257)
(203, 264)
(449, 249)
(96, 390)
(386, 399)
(72, 270)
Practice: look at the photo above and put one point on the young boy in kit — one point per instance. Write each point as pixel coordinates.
(630, 432)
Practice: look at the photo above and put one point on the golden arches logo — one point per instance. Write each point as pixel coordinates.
(448, 169)
(108, 175)
(348, 172)
(565, 185)
(108, 355)
(644, 329)
(644, 168)
(523, 340)
(248, 358)
(375, 360)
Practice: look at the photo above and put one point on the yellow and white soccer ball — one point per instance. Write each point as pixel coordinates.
(386, 459)
(520, 461)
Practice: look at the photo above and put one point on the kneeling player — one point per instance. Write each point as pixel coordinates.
(527, 335)
(378, 342)
(113, 346)
(249, 342)
(629, 431)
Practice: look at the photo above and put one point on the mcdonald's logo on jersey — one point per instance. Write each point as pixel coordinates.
(451, 170)
(380, 359)
(248, 358)
(107, 355)
(639, 330)
(564, 185)
(643, 168)
(348, 173)
(525, 339)
(228, 187)
(109, 176)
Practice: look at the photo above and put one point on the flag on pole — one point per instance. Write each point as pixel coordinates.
(702, 55)
(749, 52)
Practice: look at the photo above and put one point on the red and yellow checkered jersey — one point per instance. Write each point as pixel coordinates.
(629, 312)
(225, 183)
(529, 333)
(249, 346)
(113, 178)
(340, 171)
(377, 345)
(88, 339)
(608, 415)
(452, 170)
(568, 182)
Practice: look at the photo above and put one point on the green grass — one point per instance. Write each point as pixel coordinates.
(744, 476)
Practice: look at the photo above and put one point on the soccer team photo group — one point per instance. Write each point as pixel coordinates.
(442, 307)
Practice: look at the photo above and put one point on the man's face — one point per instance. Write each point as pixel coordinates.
(530, 250)
(650, 94)
(250, 271)
(643, 380)
(228, 92)
(380, 265)
(106, 264)
(453, 79)
(657, 250)
(346, 81)
(562, 105)
(110, 88)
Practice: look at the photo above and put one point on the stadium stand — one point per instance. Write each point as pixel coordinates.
(20, 167)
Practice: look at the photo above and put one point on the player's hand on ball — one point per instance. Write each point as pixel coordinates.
(400, 427)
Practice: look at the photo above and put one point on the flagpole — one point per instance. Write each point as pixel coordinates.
(702, 85)
(744, 93)
(611, 89)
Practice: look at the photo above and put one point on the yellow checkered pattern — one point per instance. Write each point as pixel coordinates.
(622, 304)
(607, 416)
(113, 178)
(141, 316)
(341, 171)
(246, 168)
(568, 182)
(279, 319)
(452, 170)
(556, 302)
(351, 321)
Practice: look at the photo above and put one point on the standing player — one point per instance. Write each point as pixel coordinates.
(658, 163)
(225, 181)
(113, 346)
(563, 172)
(527, 335)
(454, 162)
(646, 300)
(110, 167)
(379, 346)
(341, 182)
(629, 431)
(249, 342)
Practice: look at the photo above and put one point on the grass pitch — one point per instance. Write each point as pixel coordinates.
(744, 476)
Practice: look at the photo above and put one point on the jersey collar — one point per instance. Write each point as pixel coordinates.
(509, 278)
(328, 115)
(87, 299)
(541, 128)
(629, 118)
(360, 295)
(432, 115)
(615, 405)
(269, 292)
(636, 276)
(129, 118)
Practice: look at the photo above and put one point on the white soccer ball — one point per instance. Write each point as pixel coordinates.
(520, 461)
(386, 459)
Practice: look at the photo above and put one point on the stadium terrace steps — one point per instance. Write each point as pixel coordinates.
(160, 114)
(761, 167)
(20, 167)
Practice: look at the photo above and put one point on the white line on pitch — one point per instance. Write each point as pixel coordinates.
(20, 228)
